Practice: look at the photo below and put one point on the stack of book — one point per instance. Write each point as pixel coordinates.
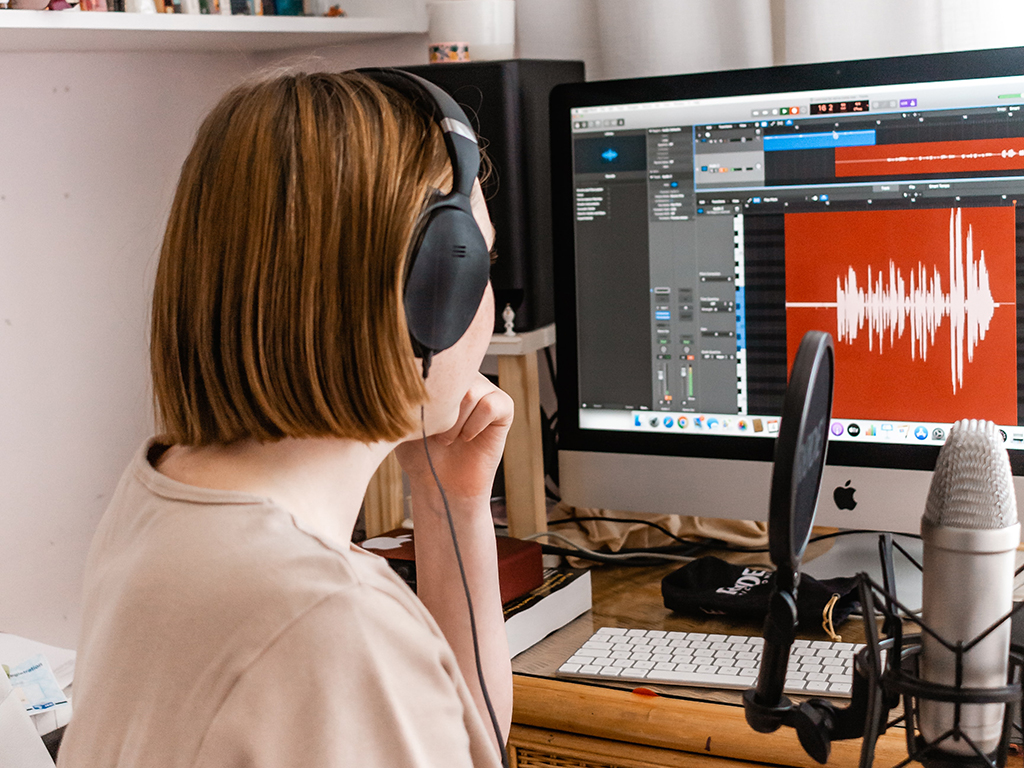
(536, 601)
(563, 595)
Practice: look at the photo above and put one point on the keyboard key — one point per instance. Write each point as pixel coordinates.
(634, 673)
(590, 669)
(817, 685)
(716, 681)
(593, 653)
(569, 668)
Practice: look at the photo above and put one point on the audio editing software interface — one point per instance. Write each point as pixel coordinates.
(711, 234)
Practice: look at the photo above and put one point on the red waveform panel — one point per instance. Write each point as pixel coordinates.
(920, 303)
(931, 157)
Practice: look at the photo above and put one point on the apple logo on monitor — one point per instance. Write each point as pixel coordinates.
(843, 496)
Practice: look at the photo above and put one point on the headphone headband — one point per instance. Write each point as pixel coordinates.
(459, 136)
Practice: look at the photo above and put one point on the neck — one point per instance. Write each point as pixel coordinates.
(321, 481)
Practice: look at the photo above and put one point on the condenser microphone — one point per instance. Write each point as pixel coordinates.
(970, 534)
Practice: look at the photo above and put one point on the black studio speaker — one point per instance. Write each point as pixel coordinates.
(507, 101)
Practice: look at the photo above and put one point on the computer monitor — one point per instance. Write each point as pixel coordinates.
(704, 222)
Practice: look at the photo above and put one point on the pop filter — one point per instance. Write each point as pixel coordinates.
(800, 451)
(796, 479)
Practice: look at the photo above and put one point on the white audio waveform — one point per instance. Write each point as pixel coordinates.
(1005, 153)
(889, 307)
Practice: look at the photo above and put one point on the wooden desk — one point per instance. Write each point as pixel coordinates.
(562, 723)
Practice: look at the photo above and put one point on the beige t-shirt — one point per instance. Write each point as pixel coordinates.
(220, 632)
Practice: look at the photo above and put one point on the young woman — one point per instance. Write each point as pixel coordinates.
(228, 620)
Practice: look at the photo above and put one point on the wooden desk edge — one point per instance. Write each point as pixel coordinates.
(698, 727)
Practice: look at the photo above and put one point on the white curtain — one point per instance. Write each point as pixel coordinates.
(636, 38)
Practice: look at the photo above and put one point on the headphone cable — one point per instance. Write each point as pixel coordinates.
(469, 601)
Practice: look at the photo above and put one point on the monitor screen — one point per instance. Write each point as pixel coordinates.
(706, 222)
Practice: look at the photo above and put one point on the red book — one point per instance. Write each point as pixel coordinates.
(519, 562)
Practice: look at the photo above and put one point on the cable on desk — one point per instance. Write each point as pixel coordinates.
(638, 557)
(821, 537)
(660, 555)
(712, 543)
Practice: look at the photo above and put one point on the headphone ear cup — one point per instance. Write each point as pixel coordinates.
(447, 278)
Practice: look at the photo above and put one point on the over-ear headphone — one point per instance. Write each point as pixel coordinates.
(448, 266)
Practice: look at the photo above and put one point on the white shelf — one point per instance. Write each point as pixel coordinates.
(91, 31)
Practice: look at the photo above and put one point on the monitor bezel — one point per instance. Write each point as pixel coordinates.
(936, 67)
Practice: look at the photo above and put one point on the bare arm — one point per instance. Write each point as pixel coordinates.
(465, 458)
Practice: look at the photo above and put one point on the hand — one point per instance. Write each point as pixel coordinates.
(467, 455)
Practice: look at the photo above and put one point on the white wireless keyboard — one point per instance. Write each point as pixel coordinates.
(816, 667)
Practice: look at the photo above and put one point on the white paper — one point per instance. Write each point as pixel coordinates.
(15, 649)
(34, 684)
(22, 747)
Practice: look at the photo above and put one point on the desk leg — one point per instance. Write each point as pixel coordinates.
(384, 503)
(524, 452)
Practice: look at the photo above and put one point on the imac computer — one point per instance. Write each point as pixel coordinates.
(703, 223)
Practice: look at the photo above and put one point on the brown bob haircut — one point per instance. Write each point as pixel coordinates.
(277, 310)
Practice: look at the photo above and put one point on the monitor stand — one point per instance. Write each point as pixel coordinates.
(858, 552)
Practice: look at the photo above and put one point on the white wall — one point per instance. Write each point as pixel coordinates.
(90, 148)
(90, 145)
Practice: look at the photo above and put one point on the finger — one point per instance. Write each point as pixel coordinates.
(479, 387)
(465, 408)
(495, 409)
